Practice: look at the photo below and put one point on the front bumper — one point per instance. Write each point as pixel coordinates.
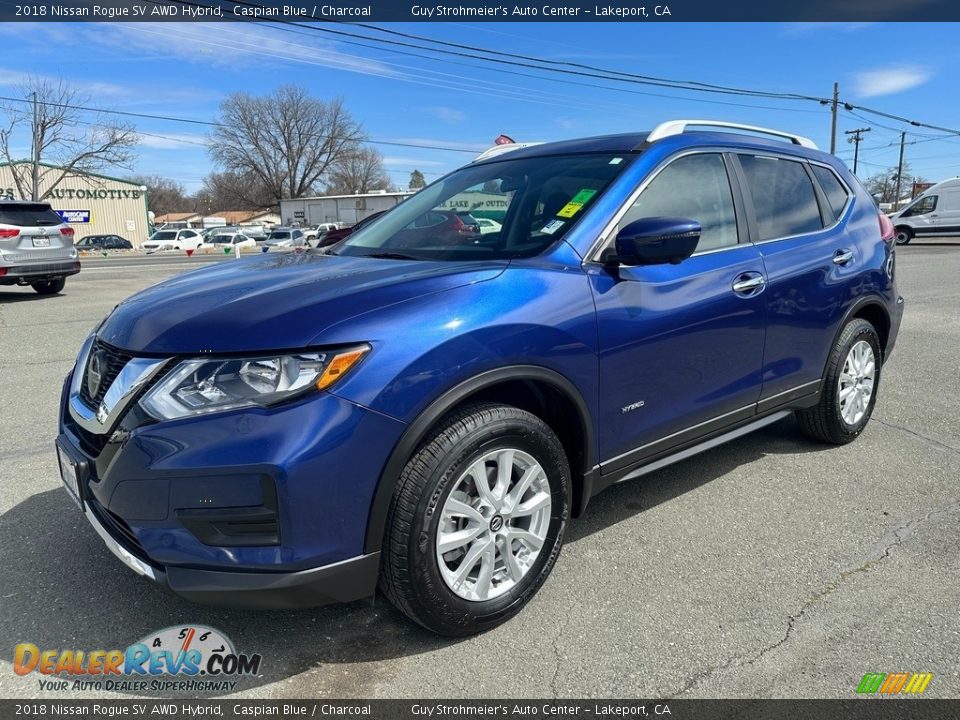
(339, 582)
(265, 508)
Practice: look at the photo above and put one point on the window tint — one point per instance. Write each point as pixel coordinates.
(694, 187)
(29, 215)
(837, 194)
(783, 197)
(922, 206)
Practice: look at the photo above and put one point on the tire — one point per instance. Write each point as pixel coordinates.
(838, 418)
(904, 236)
(50, 287)
(437, 476)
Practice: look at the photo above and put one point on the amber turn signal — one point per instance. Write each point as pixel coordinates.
(340, 365)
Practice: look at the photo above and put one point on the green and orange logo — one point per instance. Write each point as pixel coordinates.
(894, 683)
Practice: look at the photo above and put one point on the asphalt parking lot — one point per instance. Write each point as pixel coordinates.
(769, 567)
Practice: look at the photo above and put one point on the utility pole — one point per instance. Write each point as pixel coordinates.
(833, 120)
(35, 128)
(903, 139)
(856, 136)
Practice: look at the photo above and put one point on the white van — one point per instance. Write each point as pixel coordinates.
(935, 212)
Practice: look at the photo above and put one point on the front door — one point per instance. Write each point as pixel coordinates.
(681, 349)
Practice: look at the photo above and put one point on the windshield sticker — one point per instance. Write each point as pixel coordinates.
(569, 210)
(551, 227)
(583, 197)
(615, 161)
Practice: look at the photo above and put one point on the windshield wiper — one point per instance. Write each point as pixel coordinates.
(390, 256)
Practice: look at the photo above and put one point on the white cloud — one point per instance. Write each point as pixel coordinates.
(411, 161)
(890, 80)
(448, 114)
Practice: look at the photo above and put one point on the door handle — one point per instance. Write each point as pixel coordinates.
(842, 257)
(746, 283)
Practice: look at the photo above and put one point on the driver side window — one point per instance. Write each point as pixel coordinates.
(926, 205)
(694, 187)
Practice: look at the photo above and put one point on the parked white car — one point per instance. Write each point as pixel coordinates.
(488, 226)
(311, 233)
(233, 239)
(185, 239)
(285, 237)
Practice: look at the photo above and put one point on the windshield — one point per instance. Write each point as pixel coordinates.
(280, 236)
(535, 200)
(164, 235)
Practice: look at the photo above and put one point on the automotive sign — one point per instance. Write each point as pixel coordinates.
(74, 216)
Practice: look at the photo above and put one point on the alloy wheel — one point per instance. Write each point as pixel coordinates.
(493, 524)
(856, 382)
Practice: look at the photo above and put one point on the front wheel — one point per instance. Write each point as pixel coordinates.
(904, 236)
(477, 520)
(50, 287)
(849, 390)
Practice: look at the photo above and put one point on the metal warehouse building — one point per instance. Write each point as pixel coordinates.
(92, 204)
(345, 209)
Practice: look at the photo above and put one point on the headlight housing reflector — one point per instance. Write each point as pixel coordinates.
(206, 385)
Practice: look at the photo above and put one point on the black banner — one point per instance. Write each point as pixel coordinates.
(346, 11)
(856, 709)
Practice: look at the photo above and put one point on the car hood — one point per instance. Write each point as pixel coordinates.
(273, 302)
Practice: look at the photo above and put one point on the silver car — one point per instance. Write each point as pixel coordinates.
(36, 247)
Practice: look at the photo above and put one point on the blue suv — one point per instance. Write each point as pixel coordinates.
(425, 407)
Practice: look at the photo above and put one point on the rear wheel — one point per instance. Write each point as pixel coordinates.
(904, 236)
(849, 390)
(477, 520)
(50, 287)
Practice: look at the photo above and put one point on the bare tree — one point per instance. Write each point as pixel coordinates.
(361, 171)
(67, 143)
(234, 191)
(288, 140)
(165, 195)
(883, 185)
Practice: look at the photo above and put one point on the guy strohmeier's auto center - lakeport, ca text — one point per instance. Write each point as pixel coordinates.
(303, 10)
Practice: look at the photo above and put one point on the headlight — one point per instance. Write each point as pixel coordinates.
(206, 385)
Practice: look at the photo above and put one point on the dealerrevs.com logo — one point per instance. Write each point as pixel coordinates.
(189, 658)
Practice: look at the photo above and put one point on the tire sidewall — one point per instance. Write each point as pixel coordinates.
(428, 584)
(859, 330)
(903, 237)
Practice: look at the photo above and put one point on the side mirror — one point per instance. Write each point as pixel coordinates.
(656, 241)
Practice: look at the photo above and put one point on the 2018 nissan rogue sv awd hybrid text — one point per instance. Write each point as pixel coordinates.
(36, 247)
(427, 413)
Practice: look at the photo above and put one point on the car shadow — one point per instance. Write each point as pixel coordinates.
(62, 589)
(27, 293)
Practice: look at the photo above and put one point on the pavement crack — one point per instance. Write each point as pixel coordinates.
(931, 441)
(893, 539)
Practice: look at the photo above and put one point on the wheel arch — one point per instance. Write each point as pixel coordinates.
(534, 388)
(874, 311)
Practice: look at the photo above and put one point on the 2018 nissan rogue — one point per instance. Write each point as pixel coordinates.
(426, 413)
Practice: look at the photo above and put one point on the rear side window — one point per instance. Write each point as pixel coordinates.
(29, 215)
(783, 197)
(836, 192)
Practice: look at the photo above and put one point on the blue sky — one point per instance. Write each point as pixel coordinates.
(187, 69)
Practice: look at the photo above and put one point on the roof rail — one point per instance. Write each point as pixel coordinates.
(678, 127)
(501, 149)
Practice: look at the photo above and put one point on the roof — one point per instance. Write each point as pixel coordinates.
(175, 217)
(402, 193)
(78, 173)
(239, 217)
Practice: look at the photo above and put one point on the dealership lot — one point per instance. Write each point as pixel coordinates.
(771, 566)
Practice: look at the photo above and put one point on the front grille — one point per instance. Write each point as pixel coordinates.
(116, 526)
(112, 362)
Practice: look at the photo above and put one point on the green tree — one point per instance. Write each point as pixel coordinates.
(417, 180)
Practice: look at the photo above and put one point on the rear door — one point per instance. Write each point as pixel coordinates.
(680, 347)
(811, 263)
